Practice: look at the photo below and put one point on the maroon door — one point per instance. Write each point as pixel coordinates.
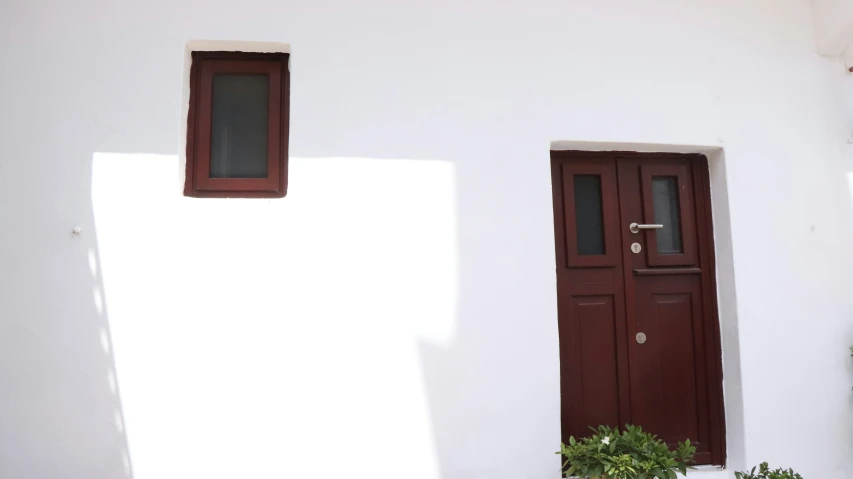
(639, 338)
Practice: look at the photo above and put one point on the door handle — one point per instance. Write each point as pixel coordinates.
(635, 228)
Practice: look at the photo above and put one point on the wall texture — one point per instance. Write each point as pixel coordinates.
(395, 315)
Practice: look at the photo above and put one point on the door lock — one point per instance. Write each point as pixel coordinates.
(635, 228)
(641, 338)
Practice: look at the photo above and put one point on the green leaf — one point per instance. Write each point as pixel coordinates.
(630, 453)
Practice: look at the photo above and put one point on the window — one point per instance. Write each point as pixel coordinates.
(237, 126)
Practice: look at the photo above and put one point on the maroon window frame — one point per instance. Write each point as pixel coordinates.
(609, 207)
(204, 66)
(681, 173)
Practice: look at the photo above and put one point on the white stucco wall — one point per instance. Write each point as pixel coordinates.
(833, 21)
(395, 315)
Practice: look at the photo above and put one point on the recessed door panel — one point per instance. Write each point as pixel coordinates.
(668, 373)
(597, 360)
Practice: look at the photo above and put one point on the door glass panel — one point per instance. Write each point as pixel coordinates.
(588, 215)
(665, 198)
(238, 136)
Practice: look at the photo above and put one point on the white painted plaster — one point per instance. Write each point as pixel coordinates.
(395, 315)
(833, 25)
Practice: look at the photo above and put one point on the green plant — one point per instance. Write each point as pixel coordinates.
(628, 454)
(764, 472)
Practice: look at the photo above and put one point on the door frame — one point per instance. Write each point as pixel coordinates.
(704, 226)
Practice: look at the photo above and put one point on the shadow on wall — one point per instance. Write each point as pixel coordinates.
(60, 413)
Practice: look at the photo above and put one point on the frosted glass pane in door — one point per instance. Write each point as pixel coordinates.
(667, 213)
(588, 215)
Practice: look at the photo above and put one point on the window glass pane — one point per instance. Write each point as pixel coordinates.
(588, 214)
(667, 213)
(238, 137)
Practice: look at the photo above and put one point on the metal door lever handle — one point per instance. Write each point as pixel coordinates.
(635, 228)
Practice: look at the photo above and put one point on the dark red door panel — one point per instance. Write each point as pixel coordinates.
(593, 343)
(597, 360)
(668, 374)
